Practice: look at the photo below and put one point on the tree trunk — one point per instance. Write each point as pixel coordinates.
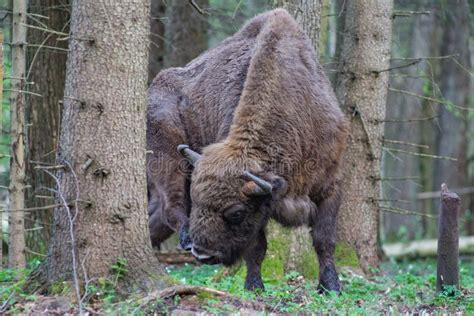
(186, 32)
(102, 147)
(5, 23)
(47, 69)
(157, 39)
(362, 91)
(16, 250)
(308, 15)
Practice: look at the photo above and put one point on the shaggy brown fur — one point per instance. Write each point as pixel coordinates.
(258, 102)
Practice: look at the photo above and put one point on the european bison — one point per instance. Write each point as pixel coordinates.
(262, 112)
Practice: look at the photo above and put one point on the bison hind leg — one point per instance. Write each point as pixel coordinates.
(323, 224)
(159, 232)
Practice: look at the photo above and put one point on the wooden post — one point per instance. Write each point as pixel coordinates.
(448, 240)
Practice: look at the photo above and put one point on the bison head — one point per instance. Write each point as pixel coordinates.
(230, 205)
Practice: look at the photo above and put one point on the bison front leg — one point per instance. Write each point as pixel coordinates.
(253, 257)
(324, 241)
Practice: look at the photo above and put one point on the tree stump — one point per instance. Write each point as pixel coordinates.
(448, 240)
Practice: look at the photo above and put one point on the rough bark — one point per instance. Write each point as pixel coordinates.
(16, 249)
(47, 69)
(157, 38)
(102, 146)
(308, 15)
(425, 248)
(448, 240)
(186, 32)
(362, 91)
(5, 19)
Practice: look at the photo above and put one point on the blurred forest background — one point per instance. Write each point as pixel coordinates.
(429, 138)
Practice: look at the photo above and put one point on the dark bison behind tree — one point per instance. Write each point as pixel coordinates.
(271, 133)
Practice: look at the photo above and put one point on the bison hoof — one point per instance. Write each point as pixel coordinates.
(184, 239)
(329, 282)
(254, 284)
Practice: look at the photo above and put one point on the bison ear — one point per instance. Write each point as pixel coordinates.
(279, 184)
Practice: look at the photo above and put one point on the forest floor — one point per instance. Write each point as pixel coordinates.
(400, 287)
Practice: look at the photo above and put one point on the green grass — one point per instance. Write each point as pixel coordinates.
(400, 287)
(11, 285)
(405, 287)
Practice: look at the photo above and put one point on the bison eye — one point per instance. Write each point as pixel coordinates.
(235, 215)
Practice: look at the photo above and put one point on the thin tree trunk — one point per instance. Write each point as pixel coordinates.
(362, 91)
(5, 21)
(102, 146)
(308, 15)
(16, 250)
(47, 69)
(186, 32)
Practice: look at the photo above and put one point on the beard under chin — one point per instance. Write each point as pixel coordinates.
(231, 256)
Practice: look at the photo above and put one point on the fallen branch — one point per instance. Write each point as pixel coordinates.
(188, 290)
(425, 248)
(184, 290)
(175, 257)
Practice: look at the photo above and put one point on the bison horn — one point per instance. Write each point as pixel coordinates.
(189, 154)
(256, 186)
